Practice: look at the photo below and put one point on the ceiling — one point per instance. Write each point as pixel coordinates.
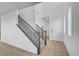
(6, 7)
(59, 9)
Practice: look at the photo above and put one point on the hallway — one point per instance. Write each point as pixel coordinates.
(53, 48)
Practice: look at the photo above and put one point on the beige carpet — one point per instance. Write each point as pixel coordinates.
(53, 48)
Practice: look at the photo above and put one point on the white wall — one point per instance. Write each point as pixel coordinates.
(38, 15)
(72, 43)
(75, 29)
(57, 27)
(12, 35)
(52, 11)
(28, 14)
(0, 27)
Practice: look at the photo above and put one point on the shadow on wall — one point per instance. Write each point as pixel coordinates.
(71, 45)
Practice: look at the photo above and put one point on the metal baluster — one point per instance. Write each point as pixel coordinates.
(30, 32)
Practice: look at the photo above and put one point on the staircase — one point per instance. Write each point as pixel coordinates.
(34, 35)
(42, 34)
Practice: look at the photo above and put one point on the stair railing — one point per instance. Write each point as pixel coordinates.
(43, 33)
(29, 32)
